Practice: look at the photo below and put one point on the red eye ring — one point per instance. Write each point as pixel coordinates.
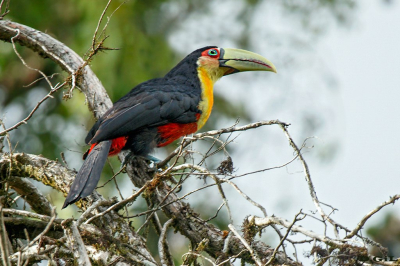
(214, 53)
(211, 53)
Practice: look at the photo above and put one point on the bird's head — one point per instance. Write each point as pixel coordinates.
(218, 62)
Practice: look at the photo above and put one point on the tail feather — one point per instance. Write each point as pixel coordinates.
(89, 175)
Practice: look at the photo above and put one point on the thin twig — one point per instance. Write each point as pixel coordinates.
(113, 177)
(41, 217)
(372, 212)
(214, 177)
(25, 64)
(46, 229)
(6, 11)
(88, 211)
(216, 214)
(187, 140)
(49, 95)
(119, 204)
(263, 210)
(100, 46)
(244, 242)
(265, 169)
(159, 207)
(269, 220)
(284, 237)
(191, 253)
(232, 257)
(98, 25)
(309, 181)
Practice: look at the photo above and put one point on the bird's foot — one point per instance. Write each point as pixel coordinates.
(128, 156)
(153, 161)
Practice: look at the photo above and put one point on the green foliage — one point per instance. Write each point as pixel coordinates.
(387, 233)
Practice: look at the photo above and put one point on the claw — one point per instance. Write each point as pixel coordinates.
(153, 161)
(126, 159)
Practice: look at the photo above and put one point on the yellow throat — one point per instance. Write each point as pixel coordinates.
(208, 76)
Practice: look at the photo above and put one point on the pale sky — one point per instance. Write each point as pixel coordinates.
(361, 116)
(366, 61)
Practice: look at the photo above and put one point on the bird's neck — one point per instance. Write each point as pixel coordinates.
(207, 95)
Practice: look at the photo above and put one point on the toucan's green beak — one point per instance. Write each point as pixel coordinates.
(241, 60)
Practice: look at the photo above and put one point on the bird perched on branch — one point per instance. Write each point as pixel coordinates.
(159, 111)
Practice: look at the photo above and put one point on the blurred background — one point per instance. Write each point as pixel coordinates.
(338, 85)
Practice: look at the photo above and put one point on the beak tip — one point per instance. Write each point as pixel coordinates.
(272, 68)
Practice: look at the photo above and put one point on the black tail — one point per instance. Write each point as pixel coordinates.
(89, 175)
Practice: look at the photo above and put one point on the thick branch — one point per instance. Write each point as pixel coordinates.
(76, 243)
(50, 173)
(31, 194)
(15, 228)
(56, 175)
(4, 241)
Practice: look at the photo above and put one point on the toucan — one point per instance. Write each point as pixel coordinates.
(159, 111)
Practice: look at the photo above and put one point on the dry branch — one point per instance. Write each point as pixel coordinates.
(269, 220)
(4, 241)
(31, 195)
(355, 231)
(59, 177)
(75, 242)
(165, 256)
(188, 223)
(253, 254)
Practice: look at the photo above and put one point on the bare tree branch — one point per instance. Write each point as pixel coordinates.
(165, 257)
(31, 195)
(119, 204)
(6, 11)
(187, 221)
(309, 181)
(247, 245)
(368, 215)
(31, 255)
(50, 223)
(269, 220)
(4, 241)
(75, 242)
(59, 177)
(187, 140)
(283, 238)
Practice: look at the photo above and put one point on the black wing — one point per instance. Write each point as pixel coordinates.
(148, 105)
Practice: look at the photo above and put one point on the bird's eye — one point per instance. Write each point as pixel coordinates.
(213, 52)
